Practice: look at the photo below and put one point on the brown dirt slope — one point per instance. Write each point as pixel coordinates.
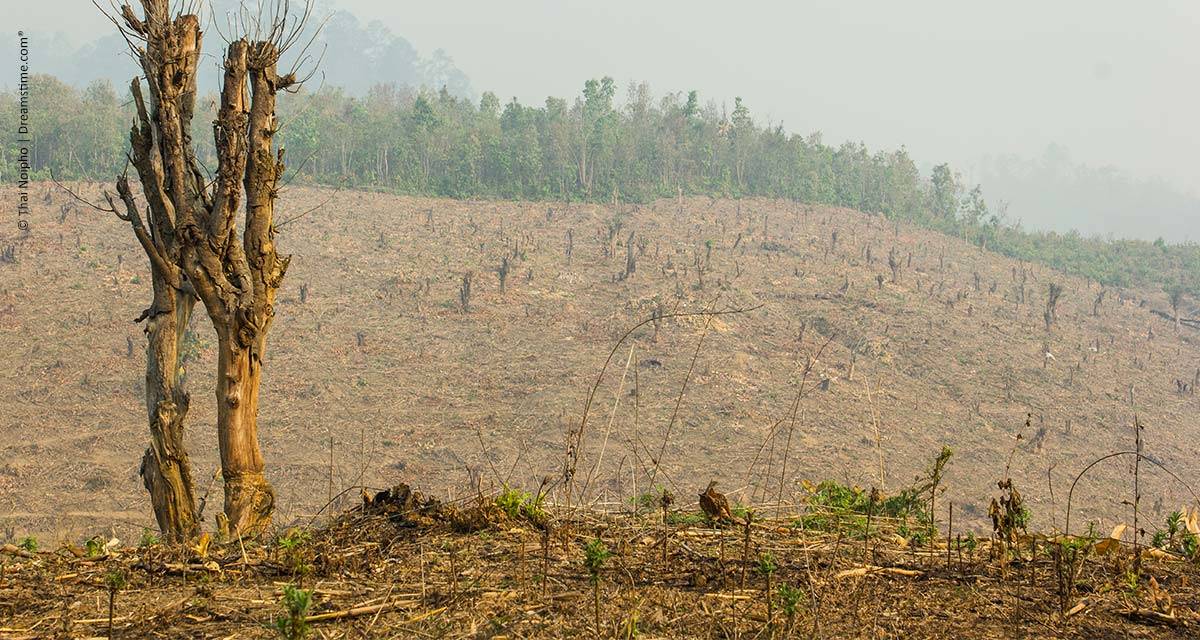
(380, 360)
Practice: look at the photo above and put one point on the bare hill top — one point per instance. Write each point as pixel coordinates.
(380, 358)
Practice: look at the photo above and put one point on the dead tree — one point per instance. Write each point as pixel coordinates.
(502, 273)
(165, 468)
(219, 250)
(1051, 313)
(1175, 296)
(464, 293)
(630, 258)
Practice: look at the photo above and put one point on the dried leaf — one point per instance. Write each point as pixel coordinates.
(1112, 542)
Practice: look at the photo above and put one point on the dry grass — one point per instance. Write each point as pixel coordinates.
(408, 574)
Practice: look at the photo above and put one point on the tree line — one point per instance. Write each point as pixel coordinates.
(435, 143)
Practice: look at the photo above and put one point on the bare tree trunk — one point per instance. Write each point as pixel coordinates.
(249, 498)
(166, 471)
(238, 280)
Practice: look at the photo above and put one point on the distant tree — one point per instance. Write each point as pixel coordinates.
(595, 120)
(944, 192)
(1175, 294)
(741, 135)
(974, 207)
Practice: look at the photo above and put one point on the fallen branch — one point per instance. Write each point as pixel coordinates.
(867, 570)
(362, 611)
(14, 550)
(1147, 616)
(1083, 604)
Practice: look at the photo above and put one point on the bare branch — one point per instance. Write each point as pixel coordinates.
(80, 198)
(157, 254)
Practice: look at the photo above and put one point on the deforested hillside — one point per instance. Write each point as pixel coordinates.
(453, 344)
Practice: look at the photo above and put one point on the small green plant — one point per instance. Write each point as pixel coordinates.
(29, 544)
(1176, 538)
(296, 603)
(1159, 540)
(833, 506)
(971, 543)
(767, 568)
(1132, 583)
(115, 581)
(789, 599)
(518, 504)
(648, 501)
(686, 518)
(94, 547)
(292, 545)
(1069, 555)
(294, 538)
(919, 537)
(149, 539)
(595, 554)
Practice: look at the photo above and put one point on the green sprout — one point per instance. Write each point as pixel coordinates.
(149, 539)
(296, 602)
(94, 547)
(595, 554)
(789, 598)
(767, 568)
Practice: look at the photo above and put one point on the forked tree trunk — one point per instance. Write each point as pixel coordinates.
(235, 277)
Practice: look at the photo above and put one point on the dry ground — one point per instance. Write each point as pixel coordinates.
(407, 576)
(380, 361)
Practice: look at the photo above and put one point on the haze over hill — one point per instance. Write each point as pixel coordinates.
(354, 55)
(976, 86)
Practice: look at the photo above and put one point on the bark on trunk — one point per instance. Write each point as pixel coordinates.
(159, 142)
(249, 498)
(166, 471)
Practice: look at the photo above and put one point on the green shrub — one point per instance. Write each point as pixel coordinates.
(521, 505)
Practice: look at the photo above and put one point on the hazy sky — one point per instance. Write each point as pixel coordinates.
(1116, 82)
